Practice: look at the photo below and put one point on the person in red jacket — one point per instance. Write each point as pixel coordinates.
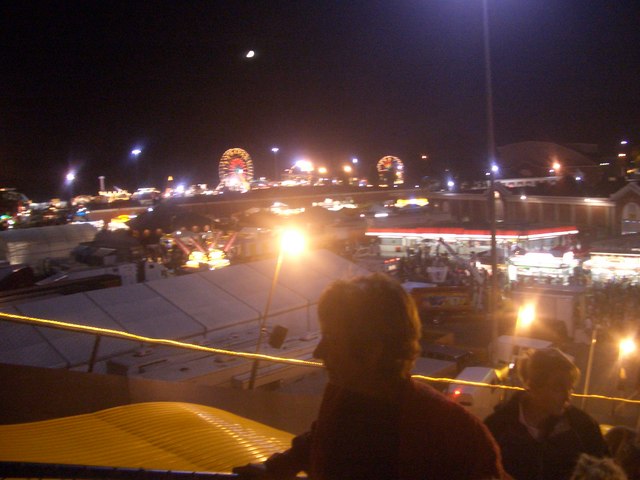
(374, 420)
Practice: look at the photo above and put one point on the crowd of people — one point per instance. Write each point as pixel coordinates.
(613, 305)
(376, 421)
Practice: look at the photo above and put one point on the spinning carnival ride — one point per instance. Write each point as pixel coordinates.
(235, 170)
(390, 171)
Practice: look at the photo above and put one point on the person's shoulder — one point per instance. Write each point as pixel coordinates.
(577, 415)
(505, 411)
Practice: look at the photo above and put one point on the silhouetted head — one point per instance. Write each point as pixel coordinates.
(370, 327)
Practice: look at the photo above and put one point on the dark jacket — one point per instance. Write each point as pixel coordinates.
(555, 456)
(420, 435)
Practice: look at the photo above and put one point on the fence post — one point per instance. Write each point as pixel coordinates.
(94, 353)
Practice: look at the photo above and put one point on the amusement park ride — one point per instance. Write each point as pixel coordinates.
(235, 170)
(390, 171)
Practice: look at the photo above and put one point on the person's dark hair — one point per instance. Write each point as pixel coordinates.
(535, 366)
(374, 309)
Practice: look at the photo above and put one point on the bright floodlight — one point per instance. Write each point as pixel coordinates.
(251, 54)
(526, 316)
(292, 242)
(304, 165)
(494, 168)
(556, 166)
(450, 183)
(347, 169)
(627, 347)
(70, 177)
(354, 161)
(322, 170)
(136, 152)
(623, 142)
(275, 149)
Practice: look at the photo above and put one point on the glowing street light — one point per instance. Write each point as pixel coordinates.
(275, 151)
(69, 178)
(626, 347)
(292, 242)
(135, 153)
(304, 165)
(526, 316)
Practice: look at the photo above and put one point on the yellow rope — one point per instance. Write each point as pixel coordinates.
(252, 356)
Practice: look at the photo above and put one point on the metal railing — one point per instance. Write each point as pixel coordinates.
(79, 472)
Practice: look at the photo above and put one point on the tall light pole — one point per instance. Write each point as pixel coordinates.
(70, 177)
(136, 153)
(275, 151)
(491, 150)
(587, 378)
(291, 242)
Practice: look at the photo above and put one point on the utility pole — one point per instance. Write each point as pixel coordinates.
(491, 150)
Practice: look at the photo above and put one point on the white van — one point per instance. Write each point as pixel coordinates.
(479, 400)
(505, 350)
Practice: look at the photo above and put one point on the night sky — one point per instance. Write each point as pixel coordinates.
(83, 83)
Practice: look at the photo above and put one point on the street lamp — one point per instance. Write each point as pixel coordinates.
(292, 242)
(526, 316)
(322, 175)
(348, 170)
(136, 153)
(491, 150)
(524, 320)
(587, 379)
(69, 179)
(275, 151)
(626, 347)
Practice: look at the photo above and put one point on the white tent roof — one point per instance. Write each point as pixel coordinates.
(201, 307)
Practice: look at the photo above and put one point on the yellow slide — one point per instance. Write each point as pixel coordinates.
(157, 435)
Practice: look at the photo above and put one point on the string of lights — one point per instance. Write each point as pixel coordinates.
(42, 322)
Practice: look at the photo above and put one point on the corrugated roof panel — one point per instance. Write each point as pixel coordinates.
(247, 284)
(204, 301)
(24, 345)
(297, 275)
(334, 266)
(157, 435)
(78, 308)
(142, 311)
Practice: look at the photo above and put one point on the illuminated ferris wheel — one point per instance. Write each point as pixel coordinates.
(390, 165)
(235, 170)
